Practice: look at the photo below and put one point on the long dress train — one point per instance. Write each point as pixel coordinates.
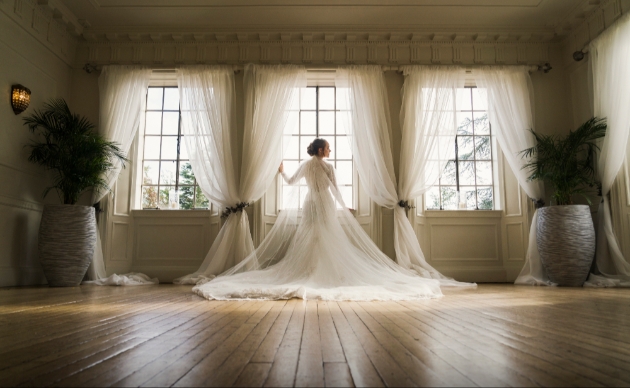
(324, 255)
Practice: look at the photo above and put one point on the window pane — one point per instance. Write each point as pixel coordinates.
(154, 99)
(333, 147)
(485, 198)
(433, 198)
(343, 120)
(186, 176)
(164, 196)
(343, 150)
(468, 198)
(463, 99)
(153, 124)
(304, 142)
(466, 173)
(482, 125)
(449, 176)
(167, 173)
(171, 123)
(307, 98)
(326, 98)
(480, 99)
(293, 148)
(326, 123)
(200, 200)
(346, 195)
(344, 173)
(290, 167)
(149, 197)
(150, 173)
(171, 99)
(152, 147)
(484, 173)
(449, 198)
(465, 147)
(464, 123)
(169, 147)
(482, 147)
(307, 123)
(183, 151)
(292, 126)
(342, 98)
(186, 197)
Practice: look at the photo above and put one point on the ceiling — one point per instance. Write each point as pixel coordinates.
(536, 19)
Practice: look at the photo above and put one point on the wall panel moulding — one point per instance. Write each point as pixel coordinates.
(42, 20)
(260, 48)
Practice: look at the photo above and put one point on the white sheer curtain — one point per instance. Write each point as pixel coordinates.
(207, 95)
(122, 91)
(610, 62)
(368, 129)
(511, 114)
(429, 126)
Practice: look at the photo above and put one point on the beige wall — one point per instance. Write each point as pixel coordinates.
(30, 59)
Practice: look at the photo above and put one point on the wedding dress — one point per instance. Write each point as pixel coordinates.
(323, 255)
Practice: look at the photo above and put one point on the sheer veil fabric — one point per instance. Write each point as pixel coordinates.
(207, 104)
(122, 91)
(510, 112)
(609, 58)
(318, 252)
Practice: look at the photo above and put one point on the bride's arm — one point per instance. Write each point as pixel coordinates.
(296, 176)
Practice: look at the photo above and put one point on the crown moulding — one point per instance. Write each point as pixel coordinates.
(311, 52)
(49, 22)
(242, 37)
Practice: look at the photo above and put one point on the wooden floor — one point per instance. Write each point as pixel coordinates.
(497, 335)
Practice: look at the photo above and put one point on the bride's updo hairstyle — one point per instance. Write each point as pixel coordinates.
(313, 148)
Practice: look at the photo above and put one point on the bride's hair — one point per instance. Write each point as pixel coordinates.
(313, 148)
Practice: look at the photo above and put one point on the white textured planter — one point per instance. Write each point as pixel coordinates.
(566, 243)
(67, 237)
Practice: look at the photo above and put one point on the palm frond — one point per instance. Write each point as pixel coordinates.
(72, 148)
(567, 163)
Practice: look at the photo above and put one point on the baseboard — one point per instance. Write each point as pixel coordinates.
(22, 276)
(165, 273)
(476, 274)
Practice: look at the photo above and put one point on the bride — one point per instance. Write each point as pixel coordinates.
(324, 255)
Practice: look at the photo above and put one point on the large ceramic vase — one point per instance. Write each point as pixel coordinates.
(566, 243)
(67, 237)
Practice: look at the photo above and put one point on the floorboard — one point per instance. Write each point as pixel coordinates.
(164, 335)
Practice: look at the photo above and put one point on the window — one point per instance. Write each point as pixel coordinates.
(467, 181)
(319, 112)
(167, 178)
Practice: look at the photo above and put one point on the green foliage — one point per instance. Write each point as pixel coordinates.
(70, 146)
(567, 163)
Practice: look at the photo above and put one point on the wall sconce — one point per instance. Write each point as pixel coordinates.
(20, 98)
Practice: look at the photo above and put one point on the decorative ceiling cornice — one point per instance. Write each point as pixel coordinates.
(49, 22)
(395, 52)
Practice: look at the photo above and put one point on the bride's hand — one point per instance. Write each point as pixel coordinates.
(281, 168)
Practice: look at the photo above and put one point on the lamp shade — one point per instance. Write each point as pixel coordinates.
(20, 98)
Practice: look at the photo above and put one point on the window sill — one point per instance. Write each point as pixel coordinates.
(155, 213)
(463, 213)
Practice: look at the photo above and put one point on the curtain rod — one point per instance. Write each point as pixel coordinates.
(332, 69)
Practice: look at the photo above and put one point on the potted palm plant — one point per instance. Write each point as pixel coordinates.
(565, 236)
(79, 158)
